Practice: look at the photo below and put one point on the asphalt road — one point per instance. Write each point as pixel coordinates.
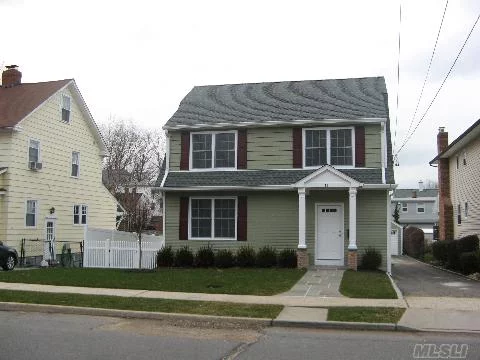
(417, 279)
(54, 336)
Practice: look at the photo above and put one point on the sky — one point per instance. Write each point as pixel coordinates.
(137, 60)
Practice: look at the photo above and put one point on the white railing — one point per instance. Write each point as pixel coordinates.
(119, 249)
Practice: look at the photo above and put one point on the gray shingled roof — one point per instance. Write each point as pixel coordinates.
(407, 193)
(286, 101)
(247, 178)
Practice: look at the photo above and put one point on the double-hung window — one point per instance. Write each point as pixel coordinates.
(34, 151)
(213, 218)
(80, 214)
(75, 164)
(31, 213)
(420, 208)
(65, 108)
(213, 150)
(328, 146)
(404, 207)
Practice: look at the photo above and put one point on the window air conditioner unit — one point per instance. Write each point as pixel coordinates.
(33, 165)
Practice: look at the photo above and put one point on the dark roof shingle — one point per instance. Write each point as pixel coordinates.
(287, 101)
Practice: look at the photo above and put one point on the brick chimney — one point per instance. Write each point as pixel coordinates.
(11, 77)
(445, 216)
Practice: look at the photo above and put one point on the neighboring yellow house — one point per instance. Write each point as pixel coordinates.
(51, 155)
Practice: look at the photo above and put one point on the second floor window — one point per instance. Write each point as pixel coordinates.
(420, 208)
(66, 108)
(329, 146)
(75, 164)
(404, 207)
(213, 150)
(34, 151)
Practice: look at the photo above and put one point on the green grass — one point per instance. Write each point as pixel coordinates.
(367, 284)
(143, 304)
(210, 281)
(365, 314)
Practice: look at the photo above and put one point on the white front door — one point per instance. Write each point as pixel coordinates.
(49, 245)
(329, 235)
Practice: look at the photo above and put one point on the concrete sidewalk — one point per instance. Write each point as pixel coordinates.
(422, 313)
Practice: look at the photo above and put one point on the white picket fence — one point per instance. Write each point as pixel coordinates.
(118, 249)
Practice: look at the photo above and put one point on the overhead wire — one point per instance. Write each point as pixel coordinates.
(441, 86)
(398, 74)
(428, 70)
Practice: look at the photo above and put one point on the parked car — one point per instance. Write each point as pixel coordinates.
(8, 257)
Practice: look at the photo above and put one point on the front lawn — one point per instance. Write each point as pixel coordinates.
(142, 304)
(210, 281)
(365, 314)
(367, 284)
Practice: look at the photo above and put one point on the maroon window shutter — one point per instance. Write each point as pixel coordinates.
(297, 148)
(242, 219)
(242, 149)
(183, 228)
(359, 146)
(185, 150)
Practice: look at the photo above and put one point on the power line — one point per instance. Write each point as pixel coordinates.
(441, 86)
(398, 75)
(428, 70)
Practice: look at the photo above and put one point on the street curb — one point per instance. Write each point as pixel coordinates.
(210, 321)
(441, 268)
(342, 325)
(396, 288)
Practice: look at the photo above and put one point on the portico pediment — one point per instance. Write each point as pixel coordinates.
(328, 177)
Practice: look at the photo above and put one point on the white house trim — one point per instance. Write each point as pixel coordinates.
(302, 244)
(352, 218)
(213, 149)
(327, 177)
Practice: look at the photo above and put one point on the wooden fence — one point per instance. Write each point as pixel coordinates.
(118, 249)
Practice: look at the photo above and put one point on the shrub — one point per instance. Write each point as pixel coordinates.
(266, 257)
(468, 262)
(224, 259)
(414, 242)
(245, 256)
(165, 257)
(184, 257)
(440, 251)
(468, 244)
(287, 258)
(371, 259)
(205, 257)
(453, 257)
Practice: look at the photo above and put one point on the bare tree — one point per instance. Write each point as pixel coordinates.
(132, 167)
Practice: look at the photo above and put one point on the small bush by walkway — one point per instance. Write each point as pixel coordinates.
(210, 281)
(367, 284)
(141, 304)
(365, 314)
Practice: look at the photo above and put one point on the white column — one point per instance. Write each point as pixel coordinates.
(352, 205)
(302, 244)
(389, 232)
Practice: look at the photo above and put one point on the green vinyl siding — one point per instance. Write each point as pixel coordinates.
(272, 219)
(373, 146)
(271, 148)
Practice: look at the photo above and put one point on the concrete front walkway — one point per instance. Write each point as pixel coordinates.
(318, 282)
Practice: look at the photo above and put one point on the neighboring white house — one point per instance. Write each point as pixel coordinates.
(458, 177)
(51, 154)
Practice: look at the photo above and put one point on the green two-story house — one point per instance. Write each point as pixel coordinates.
(296, 164)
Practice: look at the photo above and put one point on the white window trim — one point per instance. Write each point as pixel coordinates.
(61, 108)
(36, 214)
(466, 209)
(328, 129)
(79, 215)
(71, 163)
(401, 207)
(39, 151)
(418, 207)
(212, 201)
(213, 133)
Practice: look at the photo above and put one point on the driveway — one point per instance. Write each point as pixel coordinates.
(417, 279)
